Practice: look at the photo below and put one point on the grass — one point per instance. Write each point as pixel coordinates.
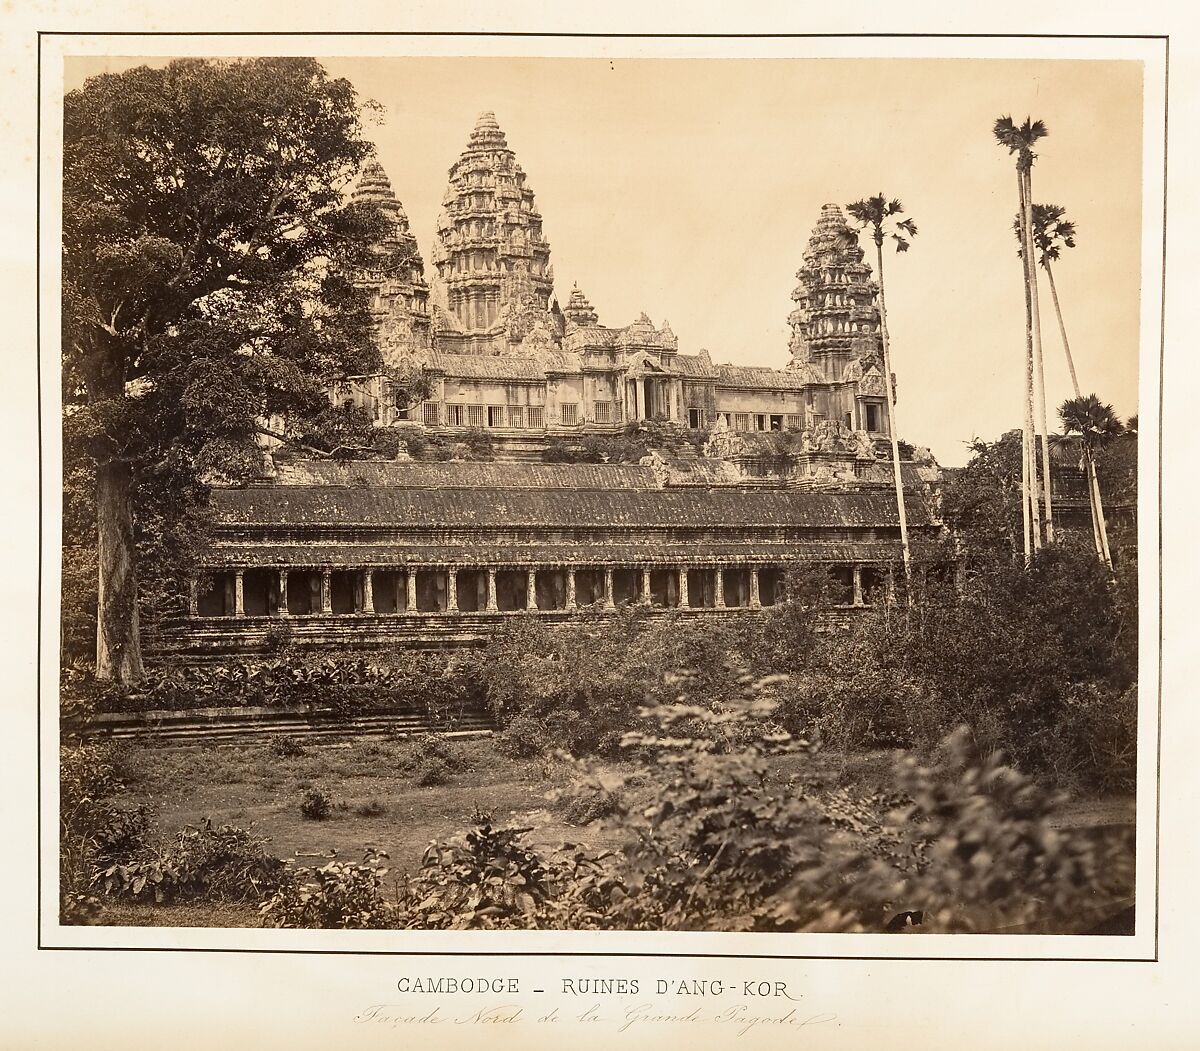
(379, 801)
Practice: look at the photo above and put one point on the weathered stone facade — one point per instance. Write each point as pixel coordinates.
(503, 356)
(786, 467)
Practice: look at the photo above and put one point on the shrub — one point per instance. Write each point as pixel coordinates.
(315, 805)
(525, 737)
(432, 759)
(213, 863)
(281, 746)
(583, 804)
(338, 895)
(371, 808)
(489, 878)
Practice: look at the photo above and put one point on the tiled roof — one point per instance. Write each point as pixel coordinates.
(500, 367)
(500, 474)
(760, 378)
(507, 508)
(693, 367)
(598, 554)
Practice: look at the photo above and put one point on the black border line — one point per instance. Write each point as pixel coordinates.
(1164, 37)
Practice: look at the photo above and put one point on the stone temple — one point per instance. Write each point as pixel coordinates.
(788, 466)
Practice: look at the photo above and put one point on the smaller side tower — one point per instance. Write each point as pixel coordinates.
(396, 277)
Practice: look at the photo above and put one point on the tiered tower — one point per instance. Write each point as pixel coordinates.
(579, 310)
(396, 277)
(835, 323)
(491, 255)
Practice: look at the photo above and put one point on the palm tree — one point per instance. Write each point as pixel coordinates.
(1095, 424)
(1019, 139)
(1052, 232)
(879, 215)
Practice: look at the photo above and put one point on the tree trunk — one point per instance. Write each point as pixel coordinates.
(1094, 481)
(1087, 470)
(1029, 471)
(1062, 329)
(118, 642)
(1043, 439)
(891, 407)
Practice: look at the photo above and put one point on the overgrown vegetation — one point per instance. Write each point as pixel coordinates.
(727, 844)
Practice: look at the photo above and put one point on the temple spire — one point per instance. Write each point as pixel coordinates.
(491, 254)
(835, 320)
(395, 277)
(579, 310)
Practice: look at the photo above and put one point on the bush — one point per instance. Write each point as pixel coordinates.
(488, 878)
(213, 863)
(583, 804)
(338, 895)
(315, 805)
(281, 746)
(432, 759)
(371, 808)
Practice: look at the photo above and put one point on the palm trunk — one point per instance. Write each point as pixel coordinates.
(1094, 482)
(1062, 329)
(1043, 439)
(118, 641)
(1029, 473)
(892, 429)
(1087, 471)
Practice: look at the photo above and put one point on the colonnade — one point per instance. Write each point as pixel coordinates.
(464, 590)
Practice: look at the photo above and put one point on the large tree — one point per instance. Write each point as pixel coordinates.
(206, 243)
(881, 217)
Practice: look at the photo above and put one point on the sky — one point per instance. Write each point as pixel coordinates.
(687, 188)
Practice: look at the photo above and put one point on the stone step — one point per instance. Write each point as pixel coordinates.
(225, 725)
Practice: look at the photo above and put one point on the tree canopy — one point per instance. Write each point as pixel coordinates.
(207, 250)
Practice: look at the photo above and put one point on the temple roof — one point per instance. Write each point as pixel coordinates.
(761, 378)
(500, 366)
(341, 553)
(484, 506)
(469, 475)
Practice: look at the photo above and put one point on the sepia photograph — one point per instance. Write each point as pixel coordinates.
(602, 493)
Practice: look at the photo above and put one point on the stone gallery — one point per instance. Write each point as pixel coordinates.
(789, 466)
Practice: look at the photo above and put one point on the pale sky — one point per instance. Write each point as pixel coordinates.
(688, 188)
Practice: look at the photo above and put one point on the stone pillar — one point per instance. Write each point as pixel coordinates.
(452, 590)
(239, 605)
(531, 590)
(858, 590)
(646, 583)
(639, 400)
(283, 598)
(719, 589)
(608, 588)
(683, 587)
(491, 590)
(368, 591)
(571, 604)
(193, 597)
(755, 597)
(410, 580)
(326, 591)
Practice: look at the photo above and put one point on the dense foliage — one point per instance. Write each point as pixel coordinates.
(207, 251)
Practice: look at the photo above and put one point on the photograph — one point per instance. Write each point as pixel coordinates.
(418, 574)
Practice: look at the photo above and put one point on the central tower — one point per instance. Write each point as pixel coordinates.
(492, 258)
